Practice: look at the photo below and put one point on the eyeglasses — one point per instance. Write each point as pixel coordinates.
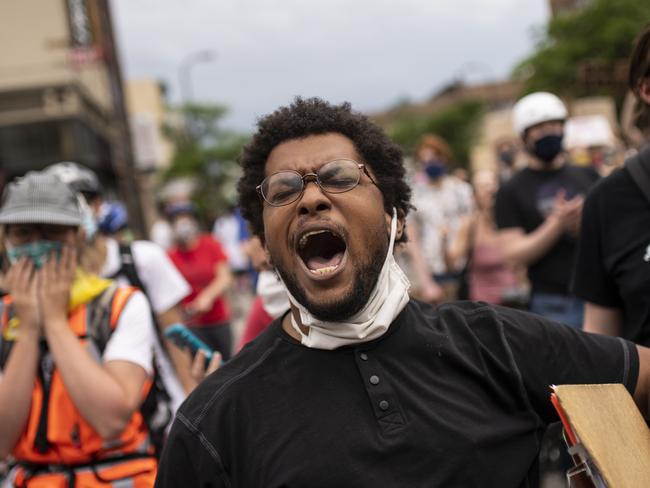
(338, 176)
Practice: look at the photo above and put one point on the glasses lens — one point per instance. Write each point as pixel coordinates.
(282, 188)
(339, 176)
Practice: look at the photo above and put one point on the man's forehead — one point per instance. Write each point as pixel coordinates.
(310, 151)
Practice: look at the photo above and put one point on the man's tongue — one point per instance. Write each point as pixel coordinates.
(323, 262)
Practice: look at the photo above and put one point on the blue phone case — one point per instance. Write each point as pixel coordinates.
(184, 337)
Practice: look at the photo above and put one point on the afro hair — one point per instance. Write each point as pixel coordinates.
(313, 116)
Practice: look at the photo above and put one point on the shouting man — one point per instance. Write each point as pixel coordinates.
(357, 384)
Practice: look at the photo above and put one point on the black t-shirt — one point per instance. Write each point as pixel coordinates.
(453, 396)
(613, 262)
(526, 200)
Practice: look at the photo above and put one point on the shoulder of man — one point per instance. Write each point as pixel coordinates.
(147, 256)
(146, 249)
(619, 179)
(463, 321)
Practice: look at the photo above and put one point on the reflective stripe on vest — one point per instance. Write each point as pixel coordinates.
(120, 473)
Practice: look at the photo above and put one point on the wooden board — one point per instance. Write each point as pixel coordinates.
(612, 430)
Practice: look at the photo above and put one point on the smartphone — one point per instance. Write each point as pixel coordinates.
(185, 338)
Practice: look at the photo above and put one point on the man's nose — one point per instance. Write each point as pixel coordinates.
(313, 199)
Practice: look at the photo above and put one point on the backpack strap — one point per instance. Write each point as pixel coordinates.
(130, 272)
(639, 168)
(155, 408)
(128, 269)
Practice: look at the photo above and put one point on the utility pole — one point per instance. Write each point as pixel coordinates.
(122, 155)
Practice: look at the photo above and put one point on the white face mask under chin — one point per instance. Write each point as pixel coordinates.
(386, 301)
(273, 293)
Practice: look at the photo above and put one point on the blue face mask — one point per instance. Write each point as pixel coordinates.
(435, 169)
(548, 147)
(37, 251)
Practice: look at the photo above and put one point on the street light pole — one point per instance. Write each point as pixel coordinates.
(185, 70)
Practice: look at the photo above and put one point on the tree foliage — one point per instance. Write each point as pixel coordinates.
(602, 33)
(207, 153)
(458, 124)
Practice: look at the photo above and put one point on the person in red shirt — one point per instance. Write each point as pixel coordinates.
(203, 263)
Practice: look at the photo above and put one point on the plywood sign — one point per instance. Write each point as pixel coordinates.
(611, 429)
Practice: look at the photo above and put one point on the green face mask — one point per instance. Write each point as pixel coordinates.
(37, 251)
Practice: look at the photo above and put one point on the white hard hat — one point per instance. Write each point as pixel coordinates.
(536, 108)
(76, 176)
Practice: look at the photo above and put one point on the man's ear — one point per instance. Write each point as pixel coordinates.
(644, 90)
(400, 224)
(266, 250)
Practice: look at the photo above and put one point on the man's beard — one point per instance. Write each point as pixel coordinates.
(365, 278)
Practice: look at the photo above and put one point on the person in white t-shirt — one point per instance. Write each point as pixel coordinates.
(162, 283)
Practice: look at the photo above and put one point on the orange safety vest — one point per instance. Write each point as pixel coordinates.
(58, 447)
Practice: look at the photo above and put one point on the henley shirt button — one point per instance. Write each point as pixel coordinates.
(384, 405)
(374, 379)
(363, 356)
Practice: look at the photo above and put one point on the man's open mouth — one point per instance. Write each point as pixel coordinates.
(322, 251)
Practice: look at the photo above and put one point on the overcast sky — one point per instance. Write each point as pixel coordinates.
(369, 52)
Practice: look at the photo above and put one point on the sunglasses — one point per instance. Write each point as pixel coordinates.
(338, 176)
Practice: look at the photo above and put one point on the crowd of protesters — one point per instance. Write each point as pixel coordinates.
(91, 375)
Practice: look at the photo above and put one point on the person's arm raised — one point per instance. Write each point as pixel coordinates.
(524, 249)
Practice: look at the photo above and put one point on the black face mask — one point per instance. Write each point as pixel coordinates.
(507, 157)
(548, 147)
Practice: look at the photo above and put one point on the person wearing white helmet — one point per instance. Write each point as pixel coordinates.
(538, 211)
(613, 262)
(539, 208)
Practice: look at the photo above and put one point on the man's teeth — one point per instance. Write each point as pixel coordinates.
(303, 240)
(322, 271)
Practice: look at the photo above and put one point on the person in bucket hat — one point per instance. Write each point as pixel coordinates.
(75, 351)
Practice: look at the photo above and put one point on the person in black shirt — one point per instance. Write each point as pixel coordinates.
(539, 208)
(359, 385)
(613, 265)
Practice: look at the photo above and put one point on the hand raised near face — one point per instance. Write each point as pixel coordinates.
(574, 216)
(21, 282)
(568, 212)
(56, 278)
